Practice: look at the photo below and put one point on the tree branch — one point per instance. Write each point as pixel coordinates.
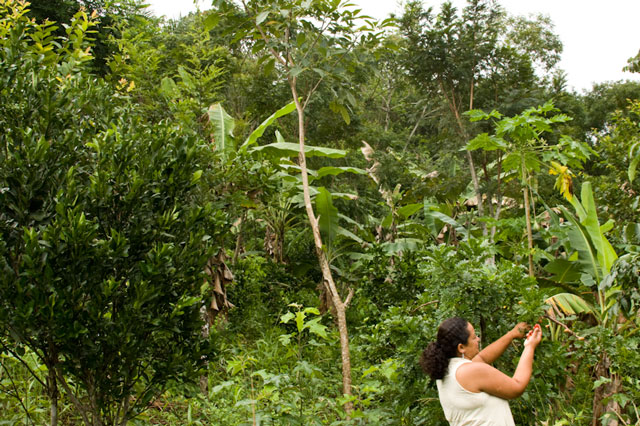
(566, 329)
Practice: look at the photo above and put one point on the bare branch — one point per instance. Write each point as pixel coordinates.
(433, 302)
(566, 328)
(83, 408)
(349, 297)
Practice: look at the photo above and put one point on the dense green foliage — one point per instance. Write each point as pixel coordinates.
(137, 156)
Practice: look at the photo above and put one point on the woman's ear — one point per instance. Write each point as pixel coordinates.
(460, 348)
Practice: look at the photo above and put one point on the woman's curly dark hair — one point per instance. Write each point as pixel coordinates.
(435, 358)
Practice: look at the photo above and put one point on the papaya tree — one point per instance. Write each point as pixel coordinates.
(523, 151)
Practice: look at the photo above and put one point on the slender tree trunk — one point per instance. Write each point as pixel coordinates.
(339, 305)
(53, 396)
(527, 214)
(52, 384)
(453, 106)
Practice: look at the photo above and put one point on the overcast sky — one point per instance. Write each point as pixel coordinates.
(598, 36)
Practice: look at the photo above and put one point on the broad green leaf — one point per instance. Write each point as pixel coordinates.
(334, 171)
(187, 79)
(295, 71)
(570, 304)
(211, 21)
(606, 254)
(387, 221)
(287, 317)
(346, 233)
(478, 115)
(449, 221)
(259, 131)
(608, 226)
(410, 209)
(563, 270)
(634, 155)
(579, 239)
(316, 328)
(487, 143)
(223, 125)
(269, 66)
(327, 216)
(288, 149)
(300, 316)
(261, 17)
(314, 311)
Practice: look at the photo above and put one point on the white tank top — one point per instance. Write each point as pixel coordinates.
(464, 408)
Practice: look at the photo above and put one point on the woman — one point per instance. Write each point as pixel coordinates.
(471, 391)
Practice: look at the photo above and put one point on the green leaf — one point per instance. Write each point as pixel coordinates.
(563, 270)
(327, 216)
(487, 143)
(387, 221)
(168, 87)
(570, 304)
(259, 131)
(606, 254)
(314, 311)
(187, 79)
(261, 17)
(223, 125)
(478, 115)
(211, 21)
(334, 171)
(316, 328)
(269, 67)
(287, 317)
(346, 233)
(634, 155)
(196, 176)
(295, 71)
(580, 241)
(410, 209)
(288, 149)
(448, 220)
(402, 244)
(300, 316)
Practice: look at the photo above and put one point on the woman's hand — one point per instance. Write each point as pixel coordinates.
(534, 337)
(519, 330)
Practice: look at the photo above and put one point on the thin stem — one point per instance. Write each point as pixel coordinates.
(17, 393)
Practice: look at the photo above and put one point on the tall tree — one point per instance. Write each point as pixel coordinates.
(311, 42)
(455, 57)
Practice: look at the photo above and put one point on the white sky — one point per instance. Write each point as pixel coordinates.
(598, 36)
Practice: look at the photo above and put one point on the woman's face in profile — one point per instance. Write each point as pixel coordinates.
(472, 348)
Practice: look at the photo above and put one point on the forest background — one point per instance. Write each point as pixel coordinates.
(260, 213)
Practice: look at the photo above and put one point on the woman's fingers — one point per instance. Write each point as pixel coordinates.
(521, 328)
(534, 335)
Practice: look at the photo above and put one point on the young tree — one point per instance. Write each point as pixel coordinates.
(524, 152)
(311, 42)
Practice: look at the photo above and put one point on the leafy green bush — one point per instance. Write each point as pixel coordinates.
(105, 229)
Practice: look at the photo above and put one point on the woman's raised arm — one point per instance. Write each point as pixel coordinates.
(492, 352)
(481, 377)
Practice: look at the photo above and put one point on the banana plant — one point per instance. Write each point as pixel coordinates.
(593, 262)
(591, 254)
